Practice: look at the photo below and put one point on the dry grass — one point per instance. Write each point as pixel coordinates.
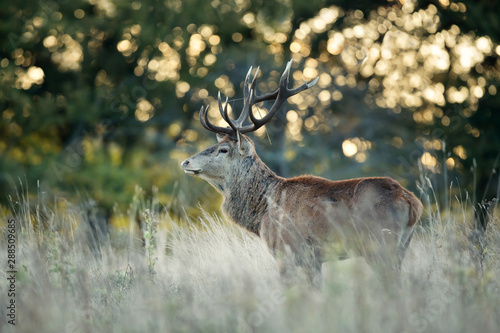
(217, 277)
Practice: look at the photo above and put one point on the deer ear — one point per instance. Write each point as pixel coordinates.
(220, 137)
(244, 145)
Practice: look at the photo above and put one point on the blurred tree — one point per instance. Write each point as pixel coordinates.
(100, 96)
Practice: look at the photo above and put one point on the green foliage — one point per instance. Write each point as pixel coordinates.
(149, 233)
(99, 96)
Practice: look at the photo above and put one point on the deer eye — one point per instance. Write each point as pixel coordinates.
(223, 151)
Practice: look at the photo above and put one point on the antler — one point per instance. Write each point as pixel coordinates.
(279, 96)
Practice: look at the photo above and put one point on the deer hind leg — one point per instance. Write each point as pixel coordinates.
(391, 243)
(380, 253)
(403, 244)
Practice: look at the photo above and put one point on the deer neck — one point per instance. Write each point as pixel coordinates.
(247, 191)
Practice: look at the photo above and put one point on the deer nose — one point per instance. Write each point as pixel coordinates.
(185, 163)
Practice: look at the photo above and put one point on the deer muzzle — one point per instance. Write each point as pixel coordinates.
(189, 169)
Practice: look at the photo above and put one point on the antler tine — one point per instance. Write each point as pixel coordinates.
(221, 108)
(225, 116)
(206, 123)
(281, 95)
(306, 85)
(254, 81)
(248, 98)
(283, 83)
(245, 85)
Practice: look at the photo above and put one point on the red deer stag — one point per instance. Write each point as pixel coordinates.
(300, 218)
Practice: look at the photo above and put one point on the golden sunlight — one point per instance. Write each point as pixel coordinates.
(349, 148)
(144, 110)
(428, 161)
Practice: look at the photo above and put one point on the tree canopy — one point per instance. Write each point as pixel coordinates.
(101, 96)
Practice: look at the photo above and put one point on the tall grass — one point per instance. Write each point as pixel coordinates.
(209, 275)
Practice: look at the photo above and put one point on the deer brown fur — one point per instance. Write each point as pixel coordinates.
(300, 218)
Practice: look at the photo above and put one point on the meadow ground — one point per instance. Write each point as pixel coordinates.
(208, 275)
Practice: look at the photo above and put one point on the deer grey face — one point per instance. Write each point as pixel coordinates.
(225, 162)
(215, 163)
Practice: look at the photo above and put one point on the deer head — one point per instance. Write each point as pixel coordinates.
(217, 162)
